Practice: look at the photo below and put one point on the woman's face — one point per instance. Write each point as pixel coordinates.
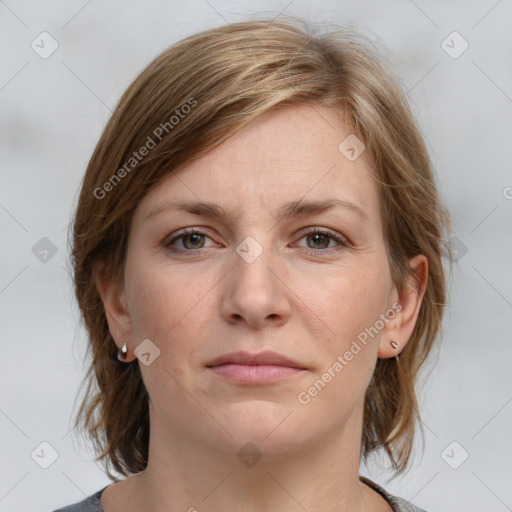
(256, 279)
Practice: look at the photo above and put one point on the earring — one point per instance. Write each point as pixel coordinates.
(394, 344)
(122, 353)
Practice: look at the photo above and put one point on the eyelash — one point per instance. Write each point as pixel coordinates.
(194, 231)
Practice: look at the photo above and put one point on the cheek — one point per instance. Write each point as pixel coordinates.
(352, 304)
(351, 300)
(162, 303)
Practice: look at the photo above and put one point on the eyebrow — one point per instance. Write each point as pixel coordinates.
(288, 210)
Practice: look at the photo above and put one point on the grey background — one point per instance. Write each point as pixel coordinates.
(53, 111)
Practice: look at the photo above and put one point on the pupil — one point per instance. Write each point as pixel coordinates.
(318, 236)
(194, 237)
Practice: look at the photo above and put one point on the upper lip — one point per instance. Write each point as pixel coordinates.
(260, 358)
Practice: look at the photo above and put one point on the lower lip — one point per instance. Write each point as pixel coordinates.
(255, 374)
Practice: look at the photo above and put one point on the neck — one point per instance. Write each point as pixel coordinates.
(186, 473)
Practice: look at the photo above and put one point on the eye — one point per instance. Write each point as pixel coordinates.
(321, 239)
(191, 239)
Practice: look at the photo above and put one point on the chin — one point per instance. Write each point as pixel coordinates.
(269, 426)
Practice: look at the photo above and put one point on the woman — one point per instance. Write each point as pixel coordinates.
(257, 256)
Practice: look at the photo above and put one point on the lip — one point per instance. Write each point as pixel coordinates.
(255, 369)
(253, 359)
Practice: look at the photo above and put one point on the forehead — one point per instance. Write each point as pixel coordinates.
(283, 155)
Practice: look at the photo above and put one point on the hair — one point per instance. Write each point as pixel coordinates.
(187, 101)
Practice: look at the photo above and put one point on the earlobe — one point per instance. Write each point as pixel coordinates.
(410, 298)
(114, 302)
(123, 354)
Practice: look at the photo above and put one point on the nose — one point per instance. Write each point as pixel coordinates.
(255, 290)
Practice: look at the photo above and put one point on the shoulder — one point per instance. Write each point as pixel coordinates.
(90, 504)
(397, 504)
(401, 505)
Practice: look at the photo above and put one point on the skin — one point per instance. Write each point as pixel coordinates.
(309, 307)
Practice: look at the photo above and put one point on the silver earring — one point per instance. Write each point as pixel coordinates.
(122, 353)
(394, 344)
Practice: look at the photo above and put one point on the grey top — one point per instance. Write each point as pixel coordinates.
(92, 503)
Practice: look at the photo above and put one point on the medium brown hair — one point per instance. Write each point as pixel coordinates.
(228, 76)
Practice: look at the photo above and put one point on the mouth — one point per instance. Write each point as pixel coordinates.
(255, 369)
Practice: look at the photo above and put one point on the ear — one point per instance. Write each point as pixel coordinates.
(114, 301)
(400, 328)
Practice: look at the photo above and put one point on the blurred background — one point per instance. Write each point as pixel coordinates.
(64, 65)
